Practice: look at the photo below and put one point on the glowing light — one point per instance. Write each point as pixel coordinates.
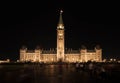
(114, 59)
(61, 26)
(61, 11)
(111, 59)
(60, 34)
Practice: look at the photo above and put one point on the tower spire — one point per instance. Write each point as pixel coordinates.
(60, 23)
(60, 39)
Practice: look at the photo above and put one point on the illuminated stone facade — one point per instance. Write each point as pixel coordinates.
(61, 54)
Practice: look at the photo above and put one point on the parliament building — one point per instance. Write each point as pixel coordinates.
(60, 53)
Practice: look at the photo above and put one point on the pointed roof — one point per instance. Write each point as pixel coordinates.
(60, 19)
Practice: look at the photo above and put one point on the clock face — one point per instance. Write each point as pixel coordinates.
(61, 27)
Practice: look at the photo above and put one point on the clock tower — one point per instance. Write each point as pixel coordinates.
(60, 39)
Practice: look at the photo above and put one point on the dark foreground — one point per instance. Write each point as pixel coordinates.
(58, 73)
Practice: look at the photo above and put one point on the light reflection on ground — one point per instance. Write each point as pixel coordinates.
(57, 73)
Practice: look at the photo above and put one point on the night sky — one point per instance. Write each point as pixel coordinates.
(35, 23)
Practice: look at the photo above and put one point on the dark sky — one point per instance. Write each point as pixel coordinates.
(34, 23)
